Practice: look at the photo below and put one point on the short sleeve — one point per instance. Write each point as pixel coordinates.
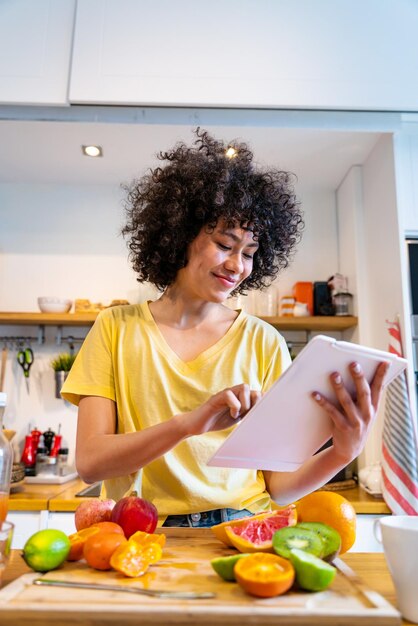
(92, 373)
(279, 363)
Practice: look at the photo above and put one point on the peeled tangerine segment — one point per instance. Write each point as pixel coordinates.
(295, 537)
(312, 573)
(133, 560)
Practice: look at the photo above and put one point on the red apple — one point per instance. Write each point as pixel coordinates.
(93, 511)
(133, 513)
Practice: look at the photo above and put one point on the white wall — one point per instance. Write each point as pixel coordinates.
(62, 240)
(371, 248)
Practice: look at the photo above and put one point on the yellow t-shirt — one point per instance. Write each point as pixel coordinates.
(125, 358)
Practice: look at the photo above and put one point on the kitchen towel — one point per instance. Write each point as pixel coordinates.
(399, 443)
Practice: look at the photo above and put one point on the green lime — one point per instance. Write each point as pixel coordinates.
(46, 550)
(224, 565)
(312, 573)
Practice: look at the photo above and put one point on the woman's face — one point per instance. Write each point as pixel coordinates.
(218, 262)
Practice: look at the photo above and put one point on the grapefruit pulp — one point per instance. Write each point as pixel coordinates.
(287, 515)
(257, 534)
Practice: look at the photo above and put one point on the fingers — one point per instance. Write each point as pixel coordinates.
(344, 398)
(347, 414)
(363, 407)
(362, 392)
(231, 401)
(239, 399)
(337, 417)
(377, 383)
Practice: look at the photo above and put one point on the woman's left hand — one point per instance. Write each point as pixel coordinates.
(353, 418)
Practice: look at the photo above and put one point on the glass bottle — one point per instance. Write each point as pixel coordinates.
(62, 461)
(6, 463)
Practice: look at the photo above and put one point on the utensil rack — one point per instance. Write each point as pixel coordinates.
(17, 340)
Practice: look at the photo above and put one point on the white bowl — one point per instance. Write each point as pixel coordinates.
(54, 305)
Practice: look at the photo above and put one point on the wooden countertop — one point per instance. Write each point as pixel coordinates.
(30, 497)
(371, 567)
(34, 497)
(62, 498)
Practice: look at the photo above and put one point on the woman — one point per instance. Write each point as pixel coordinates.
(159, 385)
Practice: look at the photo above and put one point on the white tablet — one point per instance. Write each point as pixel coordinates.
(286, 426)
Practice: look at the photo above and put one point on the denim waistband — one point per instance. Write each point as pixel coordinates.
(206, 518)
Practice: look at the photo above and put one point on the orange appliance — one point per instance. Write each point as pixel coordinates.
(303, 292)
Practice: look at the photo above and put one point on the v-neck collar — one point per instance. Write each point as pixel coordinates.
(196, 363)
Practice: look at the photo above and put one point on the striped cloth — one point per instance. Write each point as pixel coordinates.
(399, 447)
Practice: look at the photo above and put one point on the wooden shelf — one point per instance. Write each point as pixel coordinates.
(48, 319)
(86, 319)
(318, 322)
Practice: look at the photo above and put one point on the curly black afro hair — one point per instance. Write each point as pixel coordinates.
(198, 185)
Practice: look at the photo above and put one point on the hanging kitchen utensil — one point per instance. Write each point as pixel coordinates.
(25, 359)
(3, 364)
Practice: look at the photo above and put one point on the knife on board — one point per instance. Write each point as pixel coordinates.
(156, 593)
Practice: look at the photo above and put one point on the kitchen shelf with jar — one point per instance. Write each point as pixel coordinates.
(314, 323)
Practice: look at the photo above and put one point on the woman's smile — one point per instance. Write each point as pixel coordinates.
(224, 255)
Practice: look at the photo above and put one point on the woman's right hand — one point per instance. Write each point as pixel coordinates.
(221, 410)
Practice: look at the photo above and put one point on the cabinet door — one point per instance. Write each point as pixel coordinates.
(35, 51)
(365, 537)
(26, 524)
(62, 521)
(317, 54)
(411, 217)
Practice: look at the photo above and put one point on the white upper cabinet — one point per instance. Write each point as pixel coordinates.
(322, 54)
(35, 51)
(406, 162)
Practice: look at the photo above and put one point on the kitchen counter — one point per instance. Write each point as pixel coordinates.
(34, 497)
(371, 568)
(62, 498)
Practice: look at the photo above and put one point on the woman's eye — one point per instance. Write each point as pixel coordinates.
(248, 256)
(222, 246)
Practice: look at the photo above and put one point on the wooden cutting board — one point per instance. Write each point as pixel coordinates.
(186, 566)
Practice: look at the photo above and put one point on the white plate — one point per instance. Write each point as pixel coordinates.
(50, 479)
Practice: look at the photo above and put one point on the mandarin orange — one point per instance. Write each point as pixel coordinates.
(264, 575)
(98, 549)
(77, 541)
(333, 509)
(108, 527)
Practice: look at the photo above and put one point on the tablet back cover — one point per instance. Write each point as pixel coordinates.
(286, 426)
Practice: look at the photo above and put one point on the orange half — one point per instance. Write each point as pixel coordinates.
(264, 575)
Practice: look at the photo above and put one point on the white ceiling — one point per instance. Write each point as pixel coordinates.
(50, 151)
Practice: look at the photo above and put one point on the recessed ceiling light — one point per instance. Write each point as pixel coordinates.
(92, 151)
(231, 153)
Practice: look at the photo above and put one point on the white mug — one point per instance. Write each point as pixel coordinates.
(399, 536)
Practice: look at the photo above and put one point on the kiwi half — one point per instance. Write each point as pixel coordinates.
(312, 573)
(329, 536)
(289, 537)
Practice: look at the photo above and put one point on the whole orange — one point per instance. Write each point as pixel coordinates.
(108, 527)
(99, 548)
(333, 509)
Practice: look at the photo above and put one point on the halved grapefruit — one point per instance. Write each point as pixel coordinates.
(257, 534)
